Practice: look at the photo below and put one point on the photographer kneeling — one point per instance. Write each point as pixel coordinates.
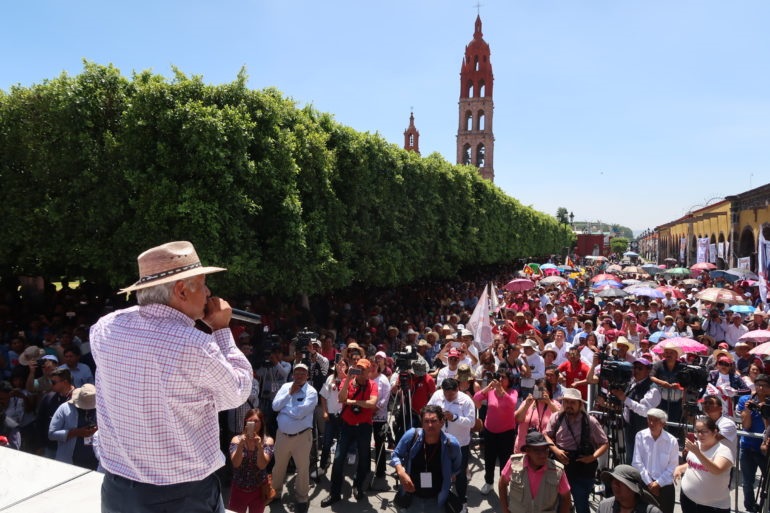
(427, 460)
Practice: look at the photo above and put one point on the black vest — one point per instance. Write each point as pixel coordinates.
(637, 391)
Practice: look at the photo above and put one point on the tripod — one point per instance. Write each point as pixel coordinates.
(616, 435)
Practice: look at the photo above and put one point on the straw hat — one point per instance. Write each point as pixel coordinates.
(31, 354)
(84, 397)
(168, 263)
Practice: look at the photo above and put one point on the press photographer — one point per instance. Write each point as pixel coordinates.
(413, 388)
(754, 411)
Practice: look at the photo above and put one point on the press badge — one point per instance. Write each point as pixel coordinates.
(426, 480)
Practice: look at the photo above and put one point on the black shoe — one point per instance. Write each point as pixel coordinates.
(331, 499)
(301, 507)
(358, 494)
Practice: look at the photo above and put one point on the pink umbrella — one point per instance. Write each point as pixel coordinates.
(761, 349)
(674, 291)
(519, 285)
(703, 266)
(551, 272)
(602, 277)
(756, 336)
(687, 345)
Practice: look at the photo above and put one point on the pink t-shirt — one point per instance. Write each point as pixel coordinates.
(500, 410)
(536, 477)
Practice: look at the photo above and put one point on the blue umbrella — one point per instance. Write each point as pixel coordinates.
(742, 309)
(607, 283)
(548, 266)
(655, 337)
(648, 292)
(630, 254)
(724, 275)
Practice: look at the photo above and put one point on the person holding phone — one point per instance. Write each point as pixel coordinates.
(331, 406)
(358, 396)
(534, 413)
(250, 454)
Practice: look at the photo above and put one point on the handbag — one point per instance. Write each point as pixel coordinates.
(453, 503)
(268, 492)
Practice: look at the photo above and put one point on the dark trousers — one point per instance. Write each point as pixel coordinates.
(461, 481)
(360, 437)
(688, 506)
(121, 495)
(498, 447)
(581, 488)
(667, 498)
(379, 448)
(331, 432)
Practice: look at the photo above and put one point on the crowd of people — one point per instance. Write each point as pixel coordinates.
(317, 384)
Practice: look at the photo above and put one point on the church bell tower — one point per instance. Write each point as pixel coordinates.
(475, 141)
(412, 136)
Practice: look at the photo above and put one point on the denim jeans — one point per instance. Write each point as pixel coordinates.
(331, 431)
(359, 436)
(750, 460)
(461, 481)
(581, 492)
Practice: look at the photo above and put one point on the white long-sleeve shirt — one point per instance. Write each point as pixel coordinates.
(464, 410)
(656, 459)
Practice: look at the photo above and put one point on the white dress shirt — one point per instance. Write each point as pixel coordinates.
(465, 415)
(656, 460)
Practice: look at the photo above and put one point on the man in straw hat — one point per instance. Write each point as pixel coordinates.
(629, 492)
(161, 383)
(531, 482)
(73, 426)
(579, 441)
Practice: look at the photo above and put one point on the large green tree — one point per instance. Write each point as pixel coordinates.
(97, 167)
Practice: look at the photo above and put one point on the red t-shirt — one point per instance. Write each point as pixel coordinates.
(574, 373)
(360, 393)
(422, 391)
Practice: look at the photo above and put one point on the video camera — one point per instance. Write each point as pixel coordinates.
(614, 375)
(693, 378)
(404, 359)
(302, 343)
(273, 342)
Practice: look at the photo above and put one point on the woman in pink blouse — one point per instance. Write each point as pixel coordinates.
(499, 425)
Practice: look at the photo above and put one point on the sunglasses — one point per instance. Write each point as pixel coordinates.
(723, 364)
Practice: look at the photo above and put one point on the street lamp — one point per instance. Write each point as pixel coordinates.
(571, 219)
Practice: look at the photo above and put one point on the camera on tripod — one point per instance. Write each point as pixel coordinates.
(404, 359)
(693, 378)
(614, 375)
(302, 343)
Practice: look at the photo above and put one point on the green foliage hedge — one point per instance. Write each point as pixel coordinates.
(96, 168)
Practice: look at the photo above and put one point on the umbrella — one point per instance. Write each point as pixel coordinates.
(687, 345)
(717, 295)
(566, 268)
(630, 254)
(742, 309)
(743, 274)
(691, 282)
(549, 271)
(553, 280)
(761, 349)
(703, 266)
(547, 266)
(723, 275)
(669, 259)
(677, 271)
(611, 292)
(633, 269)
(601, 277)
(600, 258)
(756, 336)
(519, 285)
(647, 292)
(652, 269)
(674, 292)
(607, 283)
(631, 281)
(614, 268)
(657, 336)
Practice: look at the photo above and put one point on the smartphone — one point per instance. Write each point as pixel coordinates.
(355, 371)
(250, 428)
(457, 345)
(537, 393)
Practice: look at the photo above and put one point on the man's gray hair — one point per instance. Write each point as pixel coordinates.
(160, 294)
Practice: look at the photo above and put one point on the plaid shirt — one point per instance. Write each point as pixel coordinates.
(160, 383)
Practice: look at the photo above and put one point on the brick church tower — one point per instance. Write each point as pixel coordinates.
(475, 142)
(412, 137)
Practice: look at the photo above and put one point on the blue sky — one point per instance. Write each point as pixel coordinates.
(624, 111)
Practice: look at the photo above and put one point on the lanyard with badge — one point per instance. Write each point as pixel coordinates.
(426, 477)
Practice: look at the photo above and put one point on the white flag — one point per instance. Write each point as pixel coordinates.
(479, 325)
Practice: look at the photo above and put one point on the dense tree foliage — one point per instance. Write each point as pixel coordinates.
(97, 167)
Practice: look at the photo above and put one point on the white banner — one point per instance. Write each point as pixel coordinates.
(744, 263)
(703, 250)
(713, 253)
(762, 266)
(721, 250)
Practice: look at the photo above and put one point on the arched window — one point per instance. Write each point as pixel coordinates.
(482, 89)
(470, 89)
(482, 120)
(411, 140)
(480, 155)
(476, 63)
(468, 121)
(467, 154)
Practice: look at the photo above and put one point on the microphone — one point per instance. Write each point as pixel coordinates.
(247, 317)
